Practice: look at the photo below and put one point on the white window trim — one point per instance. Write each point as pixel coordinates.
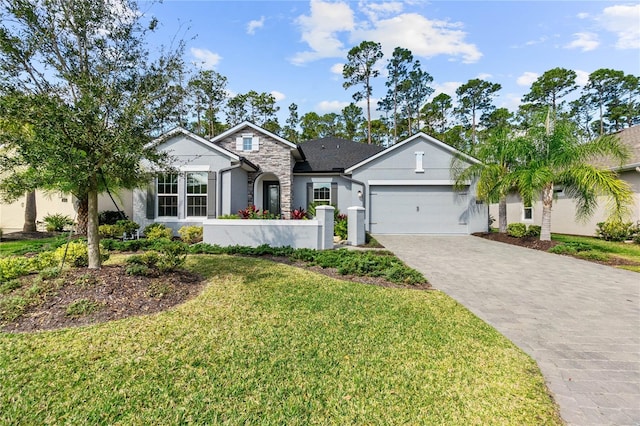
(524, 208)
(328, 185)
(177, 195)
(182, 194)
(419, 158)
(255, 142)
(187, 195)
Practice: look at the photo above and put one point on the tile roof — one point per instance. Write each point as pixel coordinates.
(333, 155)
(630, 137)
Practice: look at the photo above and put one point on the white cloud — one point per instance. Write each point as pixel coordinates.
(252, 26)
(510, 101)
(582, 77)
(423, 37)
(484, 76)
(278, 95)
(331, 106)
(319, 30)
(584, 41)
(205, 57)
(337, 69)
(583, 15)
(527, 78)
(376, 10)
(448, 88)
(623, 20)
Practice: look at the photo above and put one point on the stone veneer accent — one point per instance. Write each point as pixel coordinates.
(272, 157)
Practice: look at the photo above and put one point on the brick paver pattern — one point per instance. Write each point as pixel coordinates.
(580, 321)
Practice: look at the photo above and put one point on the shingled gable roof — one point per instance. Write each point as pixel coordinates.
(631, 138)
(333, 155)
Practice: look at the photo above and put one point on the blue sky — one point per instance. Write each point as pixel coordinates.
(295, 49)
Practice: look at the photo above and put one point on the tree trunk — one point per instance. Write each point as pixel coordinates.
(502, 215)
(30, 213)
(83, 215)
(93, 239)
(368, 119)
(547, 202)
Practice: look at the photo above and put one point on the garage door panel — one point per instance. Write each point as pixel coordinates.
(417, 209)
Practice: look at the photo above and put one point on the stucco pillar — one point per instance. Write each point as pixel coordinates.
(324, 214)
(355, 234)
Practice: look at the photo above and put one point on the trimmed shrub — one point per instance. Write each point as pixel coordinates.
(13, 267)
(190, 234)
(75, 254)
(341, 227)
(118, 229)
(534, 231)
(158, 231)
(110, 231)
(517, 230)
(614, 230)
(57, 222)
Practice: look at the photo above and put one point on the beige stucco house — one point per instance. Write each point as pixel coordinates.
(563, 219)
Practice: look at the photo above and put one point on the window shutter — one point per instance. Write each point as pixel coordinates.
(255, 143)
(334, 194)
(151, 200)
(309, 194)
(211, 195)
(239, 143)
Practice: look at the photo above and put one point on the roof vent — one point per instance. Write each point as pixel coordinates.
(322, 146)
(338, 146)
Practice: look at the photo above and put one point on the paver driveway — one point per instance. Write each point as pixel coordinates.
(580, 321)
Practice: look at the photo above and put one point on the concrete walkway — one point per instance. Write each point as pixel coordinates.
(580, 321)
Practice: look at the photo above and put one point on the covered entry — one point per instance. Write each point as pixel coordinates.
(417, 209)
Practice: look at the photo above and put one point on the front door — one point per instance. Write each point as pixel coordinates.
(271, 196)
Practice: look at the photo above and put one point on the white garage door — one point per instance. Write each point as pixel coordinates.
(417, 210)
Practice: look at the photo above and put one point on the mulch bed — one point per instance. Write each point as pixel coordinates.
(117, 294)
(528, 242)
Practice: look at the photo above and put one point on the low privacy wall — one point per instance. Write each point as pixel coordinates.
(314, 234)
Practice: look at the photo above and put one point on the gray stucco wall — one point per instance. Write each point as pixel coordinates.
(399, 167)
(344, 187)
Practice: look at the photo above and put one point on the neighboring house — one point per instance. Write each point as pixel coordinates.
(12, 214)
(406, 188)
(563, 218)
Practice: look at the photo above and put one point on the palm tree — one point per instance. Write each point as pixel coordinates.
(498, 153)
(553, 154)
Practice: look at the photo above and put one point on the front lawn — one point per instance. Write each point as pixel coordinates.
(267, 343)
(596, 249)
(20, 247)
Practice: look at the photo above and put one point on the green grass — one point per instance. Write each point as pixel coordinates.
(591, 248)
(271, 344)
(17, 248)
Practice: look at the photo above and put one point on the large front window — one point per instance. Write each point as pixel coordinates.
(168, 195)
(197, 194)
(322, 194)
